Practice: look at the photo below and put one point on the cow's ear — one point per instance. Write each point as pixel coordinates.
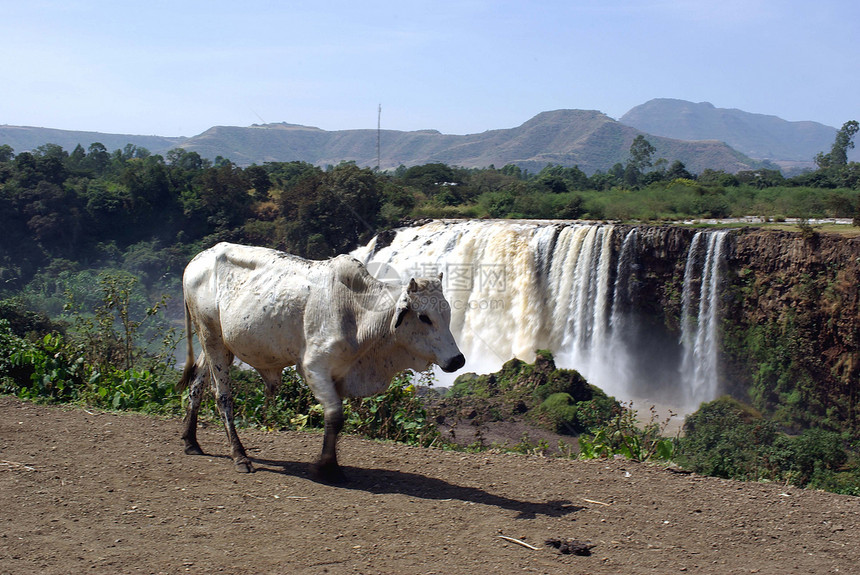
(401, 313)
(402, 306)
(440, 277)
(413, 286)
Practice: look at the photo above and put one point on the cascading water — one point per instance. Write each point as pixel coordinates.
(699, 330)
(621, 324)
(516, 287)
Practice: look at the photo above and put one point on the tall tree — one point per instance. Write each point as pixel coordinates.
(97, 159)
(844, 142)
(75, 163)
(641, 151)
(259, 179)
(6, 153)
(678, 170)
(224, 196)
(332, 212)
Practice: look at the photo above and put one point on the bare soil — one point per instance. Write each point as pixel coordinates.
(94, 492)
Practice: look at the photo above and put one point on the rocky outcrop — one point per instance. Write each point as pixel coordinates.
(791, 336)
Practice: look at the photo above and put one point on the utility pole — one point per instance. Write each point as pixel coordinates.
(378, 131)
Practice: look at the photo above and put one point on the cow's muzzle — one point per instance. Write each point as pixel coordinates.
(454, 363)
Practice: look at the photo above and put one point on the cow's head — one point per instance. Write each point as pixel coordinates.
(421, 322)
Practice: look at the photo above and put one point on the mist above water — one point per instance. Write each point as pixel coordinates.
(516, 287)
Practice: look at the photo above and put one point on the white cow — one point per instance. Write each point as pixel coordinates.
(346, 332)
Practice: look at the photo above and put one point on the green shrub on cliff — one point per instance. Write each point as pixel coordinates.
(561, 410)
(726, 438)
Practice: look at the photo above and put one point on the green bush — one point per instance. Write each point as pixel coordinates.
(816, 454)
(398, 415)
(42, 370)
(565, 381)
(561, 411)
(292, 406)
(623, 434)
(465, 385)
(133, 389)
(725, 438)
(11, 345)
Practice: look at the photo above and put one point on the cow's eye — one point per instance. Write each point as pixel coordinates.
(425, 319)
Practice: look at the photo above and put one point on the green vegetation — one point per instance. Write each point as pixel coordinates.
(75, 368)
(104, 356)
(724, 438)
(773, 348)
(727, 439)
(623, 434)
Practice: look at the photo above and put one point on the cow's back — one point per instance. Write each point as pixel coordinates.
(255, 298)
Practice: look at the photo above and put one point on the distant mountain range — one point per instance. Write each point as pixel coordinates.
(586, 138)
(699, 135)
(758, 136)
(25, 138)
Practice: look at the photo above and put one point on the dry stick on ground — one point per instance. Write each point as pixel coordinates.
(597, 502)
(518, 542)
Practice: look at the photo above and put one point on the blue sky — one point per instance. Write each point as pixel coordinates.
(178, 68)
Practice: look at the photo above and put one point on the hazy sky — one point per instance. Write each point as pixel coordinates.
(177, 68)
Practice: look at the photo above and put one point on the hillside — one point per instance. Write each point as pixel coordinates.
(756, 135)
(25, 138)
(586, 138)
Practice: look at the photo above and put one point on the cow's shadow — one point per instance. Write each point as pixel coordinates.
(381, 481)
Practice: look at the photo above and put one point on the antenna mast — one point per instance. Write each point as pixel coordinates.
(378, 129)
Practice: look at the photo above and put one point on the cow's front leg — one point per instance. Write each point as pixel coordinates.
(325, 392)
(327, 468)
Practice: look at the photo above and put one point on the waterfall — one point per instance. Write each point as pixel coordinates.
(622, 325)
(571, 288)
(699, 330)
(585, 343)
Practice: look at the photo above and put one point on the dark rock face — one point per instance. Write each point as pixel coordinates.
(792, 325)
(790, 329)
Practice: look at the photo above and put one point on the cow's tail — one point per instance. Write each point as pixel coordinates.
(190, 364)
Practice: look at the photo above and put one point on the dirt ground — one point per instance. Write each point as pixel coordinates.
(93, 492)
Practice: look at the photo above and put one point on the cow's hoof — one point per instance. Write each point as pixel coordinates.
(244, 467)
(193, 449)
(329, 473)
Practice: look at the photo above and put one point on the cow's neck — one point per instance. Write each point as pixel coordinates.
(380, 356)
(374, 314)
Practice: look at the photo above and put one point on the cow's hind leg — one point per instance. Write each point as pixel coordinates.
(219, 368)
(195, 396)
